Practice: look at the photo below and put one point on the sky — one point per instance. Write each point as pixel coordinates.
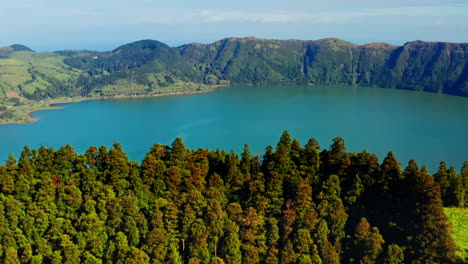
(49, 25)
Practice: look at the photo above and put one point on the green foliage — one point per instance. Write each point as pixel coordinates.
(414, 66)
(394, 255)
(368, 243)
(201, 206)
(459, 220)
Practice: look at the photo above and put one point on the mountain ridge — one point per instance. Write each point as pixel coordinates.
(149, 65)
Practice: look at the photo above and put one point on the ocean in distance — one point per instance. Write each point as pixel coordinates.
(414, 125)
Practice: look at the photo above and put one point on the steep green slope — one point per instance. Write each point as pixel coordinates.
(248, 60)
(433, 67)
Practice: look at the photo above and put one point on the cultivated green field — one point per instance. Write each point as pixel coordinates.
(124, 88)
(27, 71)
(459, 220)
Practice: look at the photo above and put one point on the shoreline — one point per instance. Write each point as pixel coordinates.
(54, 104)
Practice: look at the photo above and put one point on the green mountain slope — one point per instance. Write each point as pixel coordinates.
(433, 67)
(148, 67)
(249, 60)
(141, 67)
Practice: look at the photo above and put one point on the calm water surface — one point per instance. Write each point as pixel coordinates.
(426, 127)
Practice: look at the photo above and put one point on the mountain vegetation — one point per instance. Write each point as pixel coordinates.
(149, 67)
(146, 66)
(296, 204)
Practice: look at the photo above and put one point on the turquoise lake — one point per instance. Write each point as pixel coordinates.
(426, 127)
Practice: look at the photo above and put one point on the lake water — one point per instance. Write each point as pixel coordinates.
(426, 127)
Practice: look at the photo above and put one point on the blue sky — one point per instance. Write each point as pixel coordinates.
(47, 25)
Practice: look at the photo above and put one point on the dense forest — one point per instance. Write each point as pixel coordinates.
(296, 204)
(422, 66)
(149, 67)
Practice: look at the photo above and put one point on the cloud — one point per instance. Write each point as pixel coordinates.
(323, 17)
(92, 16)
(242, 16)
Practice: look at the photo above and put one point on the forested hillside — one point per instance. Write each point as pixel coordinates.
(296, 204)
(421, 66)
(152, 67)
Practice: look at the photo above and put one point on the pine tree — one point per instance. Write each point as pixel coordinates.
(177, 154)
(304, 245)
(455, 194)
(157, 241)
(231, 249)
(93, 230)
(282, 159)
(361, 176)
(431, 240)
(464, 176)
(307, 217)
(197, 242)
(394, 255)
(335, 160)
(331, 209)
(215, 216)
(273, 237)
(390, 173)
(153, 169)
(310, 161)
(441, 177)
(287, 253)
(64, 160)
(288, 220)
(71, 251)
(253, 246)
(24, 164)
(234, 178)
(326, 250)
(295, 152)
(117, 168)
(367, 243)
(245, 161)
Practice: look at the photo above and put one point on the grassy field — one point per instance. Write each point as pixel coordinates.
(29, 71)
(125, 88)
(459, 220)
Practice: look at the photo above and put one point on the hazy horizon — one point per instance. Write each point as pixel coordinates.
(49, 25)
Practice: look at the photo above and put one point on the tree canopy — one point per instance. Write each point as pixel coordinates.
(296, 205)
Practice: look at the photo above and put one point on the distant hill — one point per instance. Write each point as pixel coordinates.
(19, 47)
(149, 66)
